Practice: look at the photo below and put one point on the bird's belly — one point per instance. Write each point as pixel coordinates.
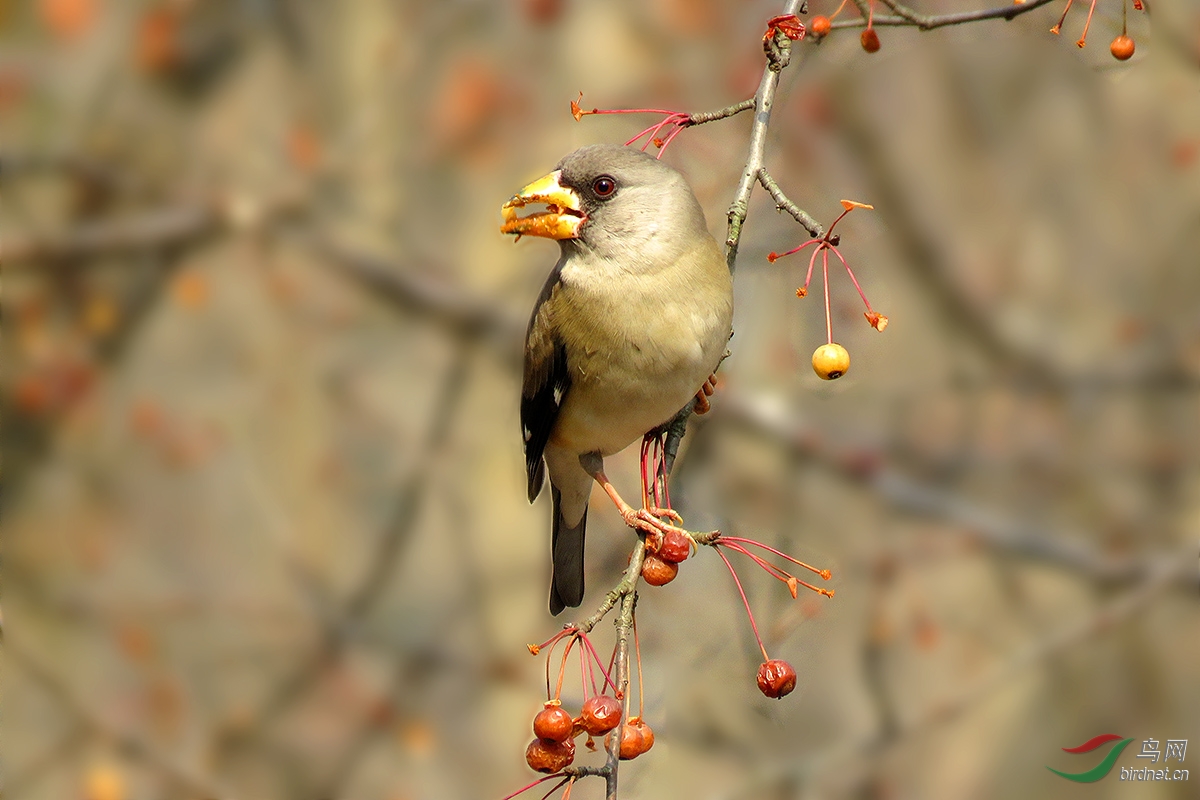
(612, 402)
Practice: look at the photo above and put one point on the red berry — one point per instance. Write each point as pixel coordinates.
(553, 723)
(820, 26)
(1122, 48)
(675, 547)
(870, 40)
(545, 756)
(776, 678)
(657, 572)
(601, 713)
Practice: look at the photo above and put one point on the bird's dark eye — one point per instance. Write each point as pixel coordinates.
(604, 186)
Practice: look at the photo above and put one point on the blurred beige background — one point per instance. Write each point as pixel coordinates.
(265, 528)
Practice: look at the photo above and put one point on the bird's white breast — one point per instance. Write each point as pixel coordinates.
(639, 346)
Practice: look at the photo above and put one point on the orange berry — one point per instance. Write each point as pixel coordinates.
(820, 26)
(870, 40)
(1122, 48)
(548, 757)
(830, 361)
(600, 714)
(657, 572)
(636, 738)
(776, 678)
(553, 723)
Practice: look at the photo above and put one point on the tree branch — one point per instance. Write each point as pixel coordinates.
(905, 16)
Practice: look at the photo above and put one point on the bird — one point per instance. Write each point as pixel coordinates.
(630, 325)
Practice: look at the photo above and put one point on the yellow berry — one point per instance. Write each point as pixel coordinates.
(830, 361)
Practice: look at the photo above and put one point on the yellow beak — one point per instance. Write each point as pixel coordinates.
(561, 219)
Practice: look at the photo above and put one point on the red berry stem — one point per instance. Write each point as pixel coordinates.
(746, 603)
(791, 580)
(852, 278)
(534, 649)
(645, 467)
(557, 786)
(825, 277)
(768, 567)
(1091, 10)
(670, 138)
(637, 649)
(584, 663)
(1058, 28)
(600, 664)
(839, 10)
(530, 786)
(562, 668)
(824, 573)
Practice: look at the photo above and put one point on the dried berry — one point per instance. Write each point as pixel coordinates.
(776, 678)
(675, 547)
(657, 572)
(553, 723)
(870, 40)
(601, 713)
(820, 26)
(647, 733)
(548, 757)
(830, 361)
(636, 738)
(1122, 48)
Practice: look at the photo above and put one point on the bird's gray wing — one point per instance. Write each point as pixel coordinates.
(546, 382)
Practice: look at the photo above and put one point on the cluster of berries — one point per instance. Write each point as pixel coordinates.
(554, 729)
(664, 554)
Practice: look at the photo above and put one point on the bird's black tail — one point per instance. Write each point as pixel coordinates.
(566, 585)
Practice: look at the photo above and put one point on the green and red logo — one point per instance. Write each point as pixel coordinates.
(1104, 767)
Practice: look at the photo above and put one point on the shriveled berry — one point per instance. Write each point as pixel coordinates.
(647, 733)
(657, 572)
(776, 678)
(553, 723)
(820, 26)
(545, 756)
(830, 361)
(870, 40)
(1122, 48)
(601, 713)
(636, 738)
(675, 547)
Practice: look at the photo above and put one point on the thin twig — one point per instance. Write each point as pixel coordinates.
(907, 17)
(784, 203)
(764, 100)
(701, 117)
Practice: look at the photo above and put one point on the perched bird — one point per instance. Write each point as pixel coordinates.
(633, 319)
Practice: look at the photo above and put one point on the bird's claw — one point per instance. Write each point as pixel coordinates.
(669, 513)
(643, 519)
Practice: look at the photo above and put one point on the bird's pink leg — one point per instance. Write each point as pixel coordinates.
(643, 519)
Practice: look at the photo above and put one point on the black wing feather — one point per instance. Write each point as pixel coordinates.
(546, 382)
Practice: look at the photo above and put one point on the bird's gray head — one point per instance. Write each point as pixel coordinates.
(632, 204)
